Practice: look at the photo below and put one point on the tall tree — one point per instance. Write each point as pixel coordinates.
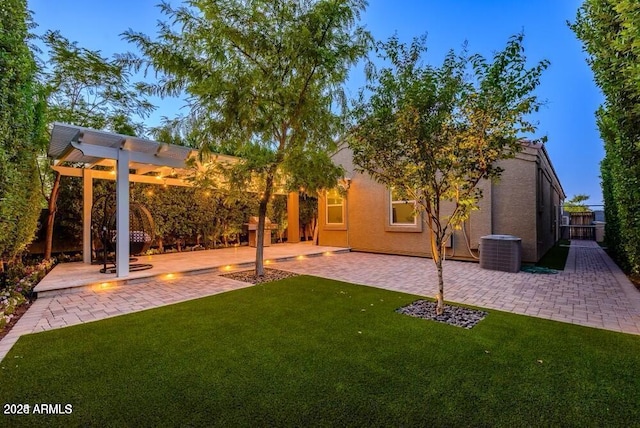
(610, 33)
(84, 88)
(266, 76)
(20, 128)
(432, 134)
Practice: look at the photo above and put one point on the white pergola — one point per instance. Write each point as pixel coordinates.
(89, 153)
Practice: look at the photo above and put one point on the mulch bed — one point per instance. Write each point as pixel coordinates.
(20, 310)
(250, 276)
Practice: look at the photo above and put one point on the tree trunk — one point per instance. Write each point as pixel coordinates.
(53, 199)
(440, 295)
(436, 254)
(262, 214)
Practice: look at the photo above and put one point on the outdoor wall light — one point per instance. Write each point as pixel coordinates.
(345, 183)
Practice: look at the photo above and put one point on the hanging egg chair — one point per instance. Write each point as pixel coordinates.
(104, 231)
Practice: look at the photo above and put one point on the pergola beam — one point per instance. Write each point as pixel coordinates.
(137, 157)
(110, 175)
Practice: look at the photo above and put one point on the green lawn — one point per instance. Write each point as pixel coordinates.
(556, 257)
(307, 351)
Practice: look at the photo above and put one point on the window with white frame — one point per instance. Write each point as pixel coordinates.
(335, 207)
(402, 211)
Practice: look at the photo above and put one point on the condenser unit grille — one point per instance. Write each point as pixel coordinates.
(501, 252)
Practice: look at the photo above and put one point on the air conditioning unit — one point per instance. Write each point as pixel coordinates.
(501, 252)
(565, 220)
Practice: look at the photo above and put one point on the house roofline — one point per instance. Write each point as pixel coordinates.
(540, 147)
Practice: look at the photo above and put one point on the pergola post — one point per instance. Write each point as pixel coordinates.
(293, 218)
(87, 202)
(122, 214)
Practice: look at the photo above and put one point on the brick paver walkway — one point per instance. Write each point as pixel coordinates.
(592, 291)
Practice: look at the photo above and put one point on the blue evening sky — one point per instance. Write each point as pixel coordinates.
(567, 85)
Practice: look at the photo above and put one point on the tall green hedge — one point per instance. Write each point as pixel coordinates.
(20, 127)
(610, 32)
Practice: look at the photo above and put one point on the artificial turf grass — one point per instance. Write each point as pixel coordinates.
(556, 257)
(311, 351)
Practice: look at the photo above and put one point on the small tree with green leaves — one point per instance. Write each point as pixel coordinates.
(265, 77)
(433, 134)
(576, 204)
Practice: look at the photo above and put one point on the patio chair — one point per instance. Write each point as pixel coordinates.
(103, 225)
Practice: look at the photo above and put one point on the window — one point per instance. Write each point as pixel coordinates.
(402, 211)
(335, 208)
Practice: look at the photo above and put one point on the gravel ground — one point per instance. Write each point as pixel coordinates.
(269, 275)
(453, 315)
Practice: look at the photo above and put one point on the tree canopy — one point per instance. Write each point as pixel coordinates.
(84, 88)
(264, 79)
(433, 133)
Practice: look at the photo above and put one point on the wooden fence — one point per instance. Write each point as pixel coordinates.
(580, 226)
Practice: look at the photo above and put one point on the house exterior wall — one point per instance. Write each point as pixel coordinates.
(514, 203)
(522, 204)
(549, 204)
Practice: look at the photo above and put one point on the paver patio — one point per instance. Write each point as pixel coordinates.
(591, 291)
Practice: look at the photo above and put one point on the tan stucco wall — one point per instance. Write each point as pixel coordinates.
(509, 206)
(368, 229)
(367, 206)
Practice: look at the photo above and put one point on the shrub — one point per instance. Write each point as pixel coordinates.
(22, 280)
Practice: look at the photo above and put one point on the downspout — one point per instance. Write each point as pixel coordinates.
(346, 185)
(346, 215)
